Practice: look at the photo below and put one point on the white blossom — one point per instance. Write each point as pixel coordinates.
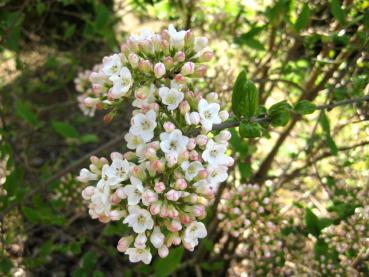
(139, 254)
(214, 153)
(112, 65)
(134, 191)
(176, 37)
(85, 175)
(193, 232)
(143, 125)
(139, 219)
(157, 238)
(173, 143)
(191, 169)
(171, 97)
(209, 114)
(122, 82)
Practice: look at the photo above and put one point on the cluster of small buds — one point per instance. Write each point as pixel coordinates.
(88, 99)
(160, 188)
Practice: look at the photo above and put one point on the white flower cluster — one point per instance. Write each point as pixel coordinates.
(160, 188)
(88, 99)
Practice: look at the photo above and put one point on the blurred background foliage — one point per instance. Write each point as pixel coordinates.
(303, 210)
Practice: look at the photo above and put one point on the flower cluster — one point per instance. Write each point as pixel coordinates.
(160, 188)
(88, 99)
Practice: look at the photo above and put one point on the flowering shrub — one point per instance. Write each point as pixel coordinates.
(160, 188)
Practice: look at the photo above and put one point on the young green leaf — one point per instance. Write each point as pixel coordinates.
(304, 107)
(65, 129)
(249, 130)
(245, 97)
(167, 265)
(25, 112)
(303, 19)
(337, 10)
(324, 122)
(279, 113)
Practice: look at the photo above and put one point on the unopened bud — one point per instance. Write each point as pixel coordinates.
(159, 70)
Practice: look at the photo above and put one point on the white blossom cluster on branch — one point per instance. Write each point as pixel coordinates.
(163, 185)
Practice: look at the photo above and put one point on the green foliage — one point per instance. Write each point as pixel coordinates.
(245, 98)
(166, 266)
(65, 129)
(25, 112)
(324, 123)
(249, 39)
(250, 130)
(305, 107)
(279, 113)
(315, 225)
(303, 18)
(337, 11)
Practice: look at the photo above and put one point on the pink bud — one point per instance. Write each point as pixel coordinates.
(203, 174)
(200, 71)
(168, 62)
(181, 184)
(104, 219)
(88, 192)
(165, 35)
(180, 79)
(159, 70)
(173, 195)
(163, 251)
(224, 115)
(115, 215)
(184, 107)
(201, 140)
(188, 68)
(94, 160)
(164, 211)
(198, 210)
(189, 38)
(159, 187)
(195, 118)
(230, 162)
(124, 243)
(174, 226)
(115, 199)
(206, 56)
(194, 155)
(169, 127)
(140, 240)
(180, 56)
(191, 144)
(172, 159)
(124, 49)
(185, 219)
(172, 212)
(150, 153)
(155, 208)
(89, 101)
(149, 196)
(159, 166)
(120, 193)
(145, 66)
(116, 155)
(154, 106)
(212, 97)
(133, 59)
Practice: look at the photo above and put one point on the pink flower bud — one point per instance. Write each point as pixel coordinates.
(116, 155)
(230, 162)
(198, 210)
(168, 62)
(171, 159)
(176, 240)
(89, 101)
(179, 56)
(201, 140)
(159, 70)
(115, 215)
(184, 107)
(159, 187)
(115, 199)
(164, 211)
(88, 192)
(195, 118)
(149, 196)
(203, 174)
(120, 193)
(188, 68)
(159, 166)
(174, 226)
(165, 35)
(169, 127)
(163, 251)
(172, 212)
(212, 97)
(191, 144)
(184, 156)
(194, 155)
(155, 208)
(164, 46)
(180, 79)
(140, 241)
(150, 153)
(154, 106)
(206, 56)
(124, 49)
(124, 243)
(129, 156)
(200, 71)
(181, 184)
(145, 66)
(223, 136)
(133, 59)
(173, 195)
(185, 219)
(224, 115)
(189, 38)
(104, 219)
(95, 160)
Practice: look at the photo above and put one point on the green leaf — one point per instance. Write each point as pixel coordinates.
(166, 266)
(25, 112)
(31, 214)
(303, 19)
(245, 170)
(337, 11)
(312, 223)
(89, 138)
(324, 122)
(279, 113)
(5, 264)
(240, 146)
(249, 130)
(245, 97)
(215, 266)
(65, 129)
(304, 107)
